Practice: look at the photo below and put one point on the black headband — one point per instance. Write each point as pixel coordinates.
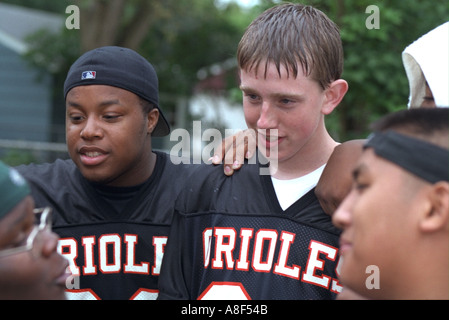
(425, 160)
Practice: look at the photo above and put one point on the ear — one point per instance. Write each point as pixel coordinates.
(334, 94)
(437, 216)
(153, 117)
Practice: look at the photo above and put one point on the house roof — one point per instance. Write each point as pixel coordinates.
(17, 22)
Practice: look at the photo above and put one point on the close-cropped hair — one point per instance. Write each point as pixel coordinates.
(146, 105)
(294, 36)
(429, 124)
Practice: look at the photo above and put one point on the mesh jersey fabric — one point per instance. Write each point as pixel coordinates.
(116, 251)
(230, 238)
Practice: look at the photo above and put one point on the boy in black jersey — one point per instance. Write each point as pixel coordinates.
(113, 201)
(256, 236)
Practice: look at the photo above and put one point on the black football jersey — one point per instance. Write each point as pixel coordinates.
(230, 239)
(114, 238)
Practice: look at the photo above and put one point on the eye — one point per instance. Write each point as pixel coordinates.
(111, 117)
(286, 101)
(76, 117)
(360, 187)
(20, 241)
(251, 97)
(22, 236)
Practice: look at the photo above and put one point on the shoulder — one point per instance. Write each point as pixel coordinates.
(308, 210)
(58, 169)
(208, 189)
(170, 175)
(53, 183)
(209, 177)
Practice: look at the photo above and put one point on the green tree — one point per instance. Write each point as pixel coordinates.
(373, 62)
(178, 37)
(183, 36)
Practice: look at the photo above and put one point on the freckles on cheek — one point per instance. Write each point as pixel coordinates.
(251, 118)
(302, 128)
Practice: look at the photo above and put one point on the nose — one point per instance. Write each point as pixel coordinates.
(267, 117)
(342, 217)
(49, 243)
(91, 129)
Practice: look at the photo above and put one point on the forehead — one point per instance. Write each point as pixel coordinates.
(265, 69)
(378, 167)
(269, 77)
(99, 92)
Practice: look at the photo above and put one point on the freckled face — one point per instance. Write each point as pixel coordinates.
(290, 105)
(108, 135)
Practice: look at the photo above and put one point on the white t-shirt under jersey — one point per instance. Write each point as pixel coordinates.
(289, 191)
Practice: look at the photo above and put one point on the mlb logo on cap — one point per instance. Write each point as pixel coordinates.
(88, 75)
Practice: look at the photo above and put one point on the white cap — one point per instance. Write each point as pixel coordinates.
(427, 59)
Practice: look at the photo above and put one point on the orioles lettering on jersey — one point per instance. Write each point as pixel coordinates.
(114, 255)
(262, 244)
(108, 245)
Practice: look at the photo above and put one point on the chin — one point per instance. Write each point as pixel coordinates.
(96, 177)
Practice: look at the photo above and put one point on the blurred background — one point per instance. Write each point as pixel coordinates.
(191, 44)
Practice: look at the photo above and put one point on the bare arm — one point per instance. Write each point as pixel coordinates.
(336, 180)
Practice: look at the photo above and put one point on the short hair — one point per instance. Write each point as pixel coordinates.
(146, 105)
(429, 124)
(293, 35)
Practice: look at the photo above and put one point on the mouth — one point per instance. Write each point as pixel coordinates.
(92, 156)
(270, 140)
(61, 279)
(345, 246)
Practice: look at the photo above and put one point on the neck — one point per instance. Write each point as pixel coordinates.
(137, 174)
(429, 271)
(435, 286)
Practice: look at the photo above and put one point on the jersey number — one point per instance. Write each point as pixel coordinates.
(88, 294)
(223, 290)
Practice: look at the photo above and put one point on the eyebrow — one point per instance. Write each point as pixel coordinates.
(279, 95)
(101, 104)
(245, 88)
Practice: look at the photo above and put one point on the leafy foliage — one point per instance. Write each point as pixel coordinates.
(187, 35)
(373, 61)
